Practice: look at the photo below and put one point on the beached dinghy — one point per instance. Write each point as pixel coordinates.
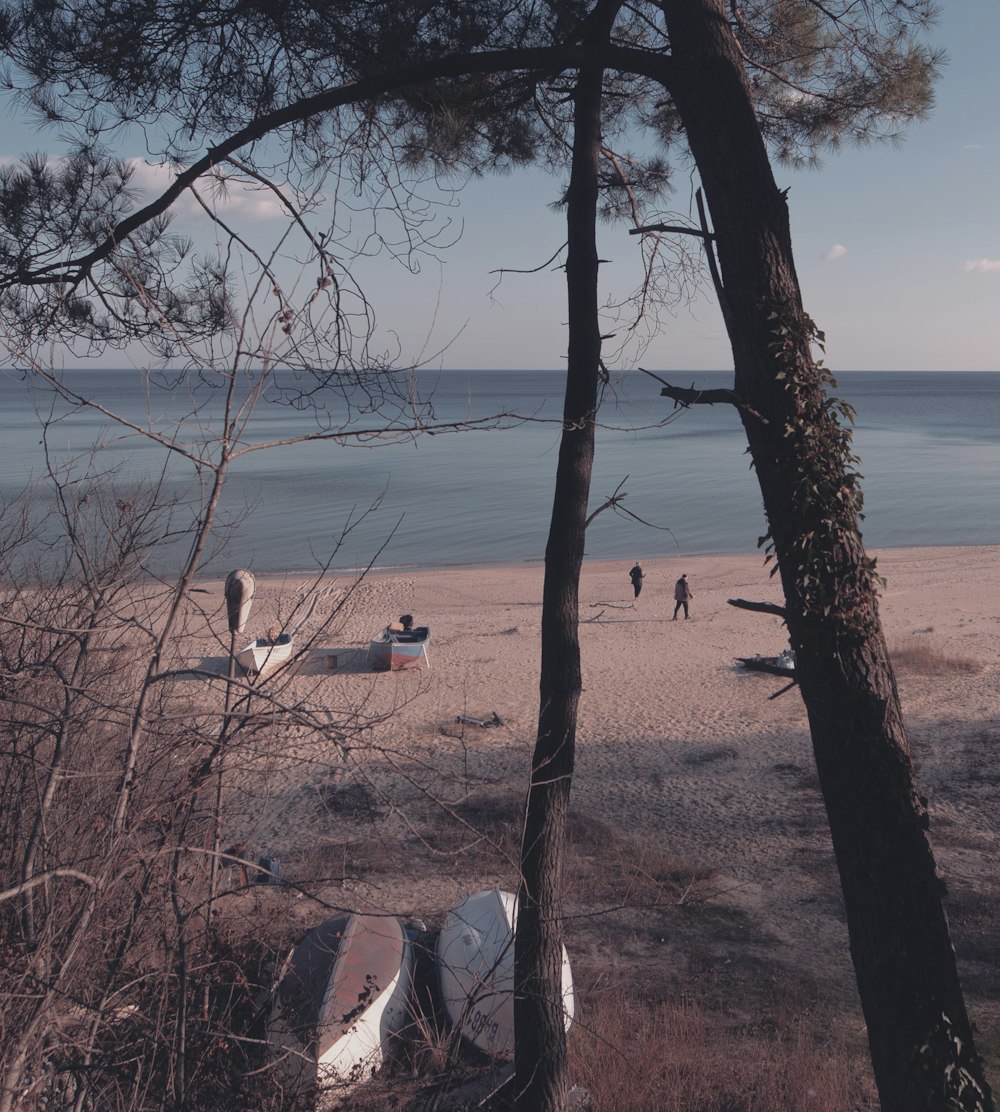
(266, 653)
(400, 645)
(343, 994)
(277, 647)
(475, 959)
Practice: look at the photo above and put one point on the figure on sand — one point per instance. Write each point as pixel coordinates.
(682, 596)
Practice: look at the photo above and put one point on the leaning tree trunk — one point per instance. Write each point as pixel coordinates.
(539, 1018)
(918, 1029)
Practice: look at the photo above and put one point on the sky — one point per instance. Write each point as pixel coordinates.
(897, 248)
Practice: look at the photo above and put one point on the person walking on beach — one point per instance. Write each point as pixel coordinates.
(682, 596)
(636, 575)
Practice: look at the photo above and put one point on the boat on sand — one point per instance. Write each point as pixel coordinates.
(275, 648)
(475, 959)
(342, 996)
(266, 653)
(397, 647)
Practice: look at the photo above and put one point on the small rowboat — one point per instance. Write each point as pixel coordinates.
(400, 648)
(342, 996)
(475, 959)
(265, 653)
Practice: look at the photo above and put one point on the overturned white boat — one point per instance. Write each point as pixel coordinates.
(342, 996)
(475, 958)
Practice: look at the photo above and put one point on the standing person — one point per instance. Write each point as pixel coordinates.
(636, 575)
(682, 595)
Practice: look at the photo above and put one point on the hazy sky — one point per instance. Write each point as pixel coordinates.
(898, 249)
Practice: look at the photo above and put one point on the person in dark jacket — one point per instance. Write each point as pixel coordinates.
(636, 575)
(682, 596)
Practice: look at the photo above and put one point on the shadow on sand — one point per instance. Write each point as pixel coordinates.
(316, 662)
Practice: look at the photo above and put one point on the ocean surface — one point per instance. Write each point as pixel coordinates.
(928, 442)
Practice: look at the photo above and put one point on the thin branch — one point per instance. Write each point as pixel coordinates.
(43, 878)
(75, 271)
(614, 503)
(708, 239)
(611, 503)
(713, 265)
(531, 269)
(671, 229)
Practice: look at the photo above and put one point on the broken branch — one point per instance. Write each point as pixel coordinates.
(759, 607)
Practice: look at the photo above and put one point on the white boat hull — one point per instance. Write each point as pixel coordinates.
(264, 655)
(475, 957)
(343, 994)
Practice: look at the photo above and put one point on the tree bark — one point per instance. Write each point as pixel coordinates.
(919, 1033)
(539, 1016)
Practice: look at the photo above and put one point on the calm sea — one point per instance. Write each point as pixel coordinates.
(930, 457)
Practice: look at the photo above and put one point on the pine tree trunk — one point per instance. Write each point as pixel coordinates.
(539, 1018)
(919, 1033)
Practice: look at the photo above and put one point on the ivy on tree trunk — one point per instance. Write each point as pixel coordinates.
(919, 1033)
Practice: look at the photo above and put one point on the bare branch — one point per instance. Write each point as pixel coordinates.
(44, 878)
(611, 503)
(671, 229)
(688, 396)
(758, 607)
(75, 271)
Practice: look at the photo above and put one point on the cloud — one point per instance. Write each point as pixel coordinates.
(837, 251)
(234, 199)
(972, 147)
(981, 266)
(237, 198)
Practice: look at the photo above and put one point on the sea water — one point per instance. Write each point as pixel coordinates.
(927, 442)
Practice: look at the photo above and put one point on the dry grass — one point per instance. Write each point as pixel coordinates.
(627, 872)
(923, 658)
(477, 839)
(671, 1057)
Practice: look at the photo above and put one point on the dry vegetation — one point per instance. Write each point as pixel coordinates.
(144, 996)
(125, 985)
(922, 657)
(121, 987)
(676, 1059)
(665, 1022)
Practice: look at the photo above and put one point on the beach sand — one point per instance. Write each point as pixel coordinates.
(677, 747)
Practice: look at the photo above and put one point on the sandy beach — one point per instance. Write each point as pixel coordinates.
(677, 745)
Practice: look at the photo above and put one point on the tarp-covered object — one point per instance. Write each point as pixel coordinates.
(240, 587)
